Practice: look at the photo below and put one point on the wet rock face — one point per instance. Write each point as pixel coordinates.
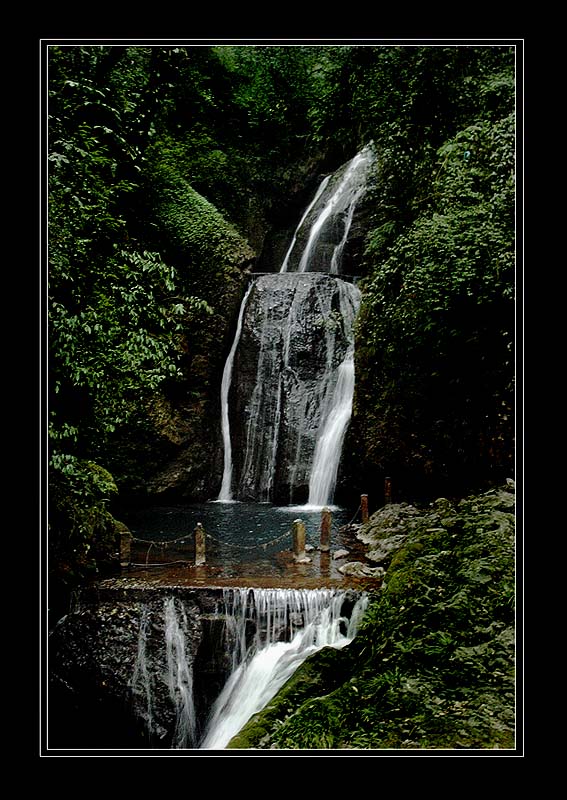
(112, 680)
(295, 334)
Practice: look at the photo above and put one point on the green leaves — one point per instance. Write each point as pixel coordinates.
(434, 326)
(123, 344)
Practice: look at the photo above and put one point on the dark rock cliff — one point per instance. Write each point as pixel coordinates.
(116, 678)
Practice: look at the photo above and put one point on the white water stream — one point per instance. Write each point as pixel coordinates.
(318, 193)
(225, 494)
(342, 202)
(179, 675)
(337, 414)
(291, 624)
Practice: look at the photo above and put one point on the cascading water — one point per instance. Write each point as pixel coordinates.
(225, 495)
(339, 206)
(290, 624)
(334, 423)
(296, 334)
(318, 193)
(330, 442)
(140, 684)
(195, 667)
(179, 675)
(293, 359)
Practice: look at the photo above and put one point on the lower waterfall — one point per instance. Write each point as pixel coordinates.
(291, 624)
(179, 676)
(180, 668)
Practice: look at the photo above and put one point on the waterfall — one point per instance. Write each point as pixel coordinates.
(334, 423)
(225, 494)
(293, 359)
(318, 193)
(338, 251)
(291, 624)
(141, 683)
(297, 331)
(339, 206)
(179, 675)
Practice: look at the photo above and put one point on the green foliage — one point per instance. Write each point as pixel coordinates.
(81, 528)
(274, 90)
(117, 350)
(435, 334)
(118, 313)
(194, 232)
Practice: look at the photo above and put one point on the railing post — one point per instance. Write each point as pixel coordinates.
(298, 539)
(364, 507)
(200, 556)
(125, 547)
(387, 490)
(325, 543)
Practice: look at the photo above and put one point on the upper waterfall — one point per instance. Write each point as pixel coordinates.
(320, 237)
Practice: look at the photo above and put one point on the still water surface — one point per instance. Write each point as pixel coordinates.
(249, 528)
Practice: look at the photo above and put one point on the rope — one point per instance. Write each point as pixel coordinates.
(184, 539)
(181, 539)
(159, 564)
(262, 546)
(353, 519)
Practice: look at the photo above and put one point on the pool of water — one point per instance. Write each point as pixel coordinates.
(246, 528)
(246, 544)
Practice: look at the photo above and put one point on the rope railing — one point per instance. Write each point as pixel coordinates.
(258, 546)
(163, 543)
(199, 537)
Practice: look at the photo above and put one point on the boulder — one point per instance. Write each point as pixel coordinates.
(357, 569)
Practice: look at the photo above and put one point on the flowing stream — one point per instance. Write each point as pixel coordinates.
(265, 636)
(225, 495)
(340, 204)
(179, 675)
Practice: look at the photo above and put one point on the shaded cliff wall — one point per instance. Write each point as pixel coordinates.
(177, 450)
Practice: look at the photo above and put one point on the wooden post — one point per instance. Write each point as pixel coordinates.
(125, 546)
(298, 539)
(387, 490)
(326, 517)
(364, 507)
(199, 545)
